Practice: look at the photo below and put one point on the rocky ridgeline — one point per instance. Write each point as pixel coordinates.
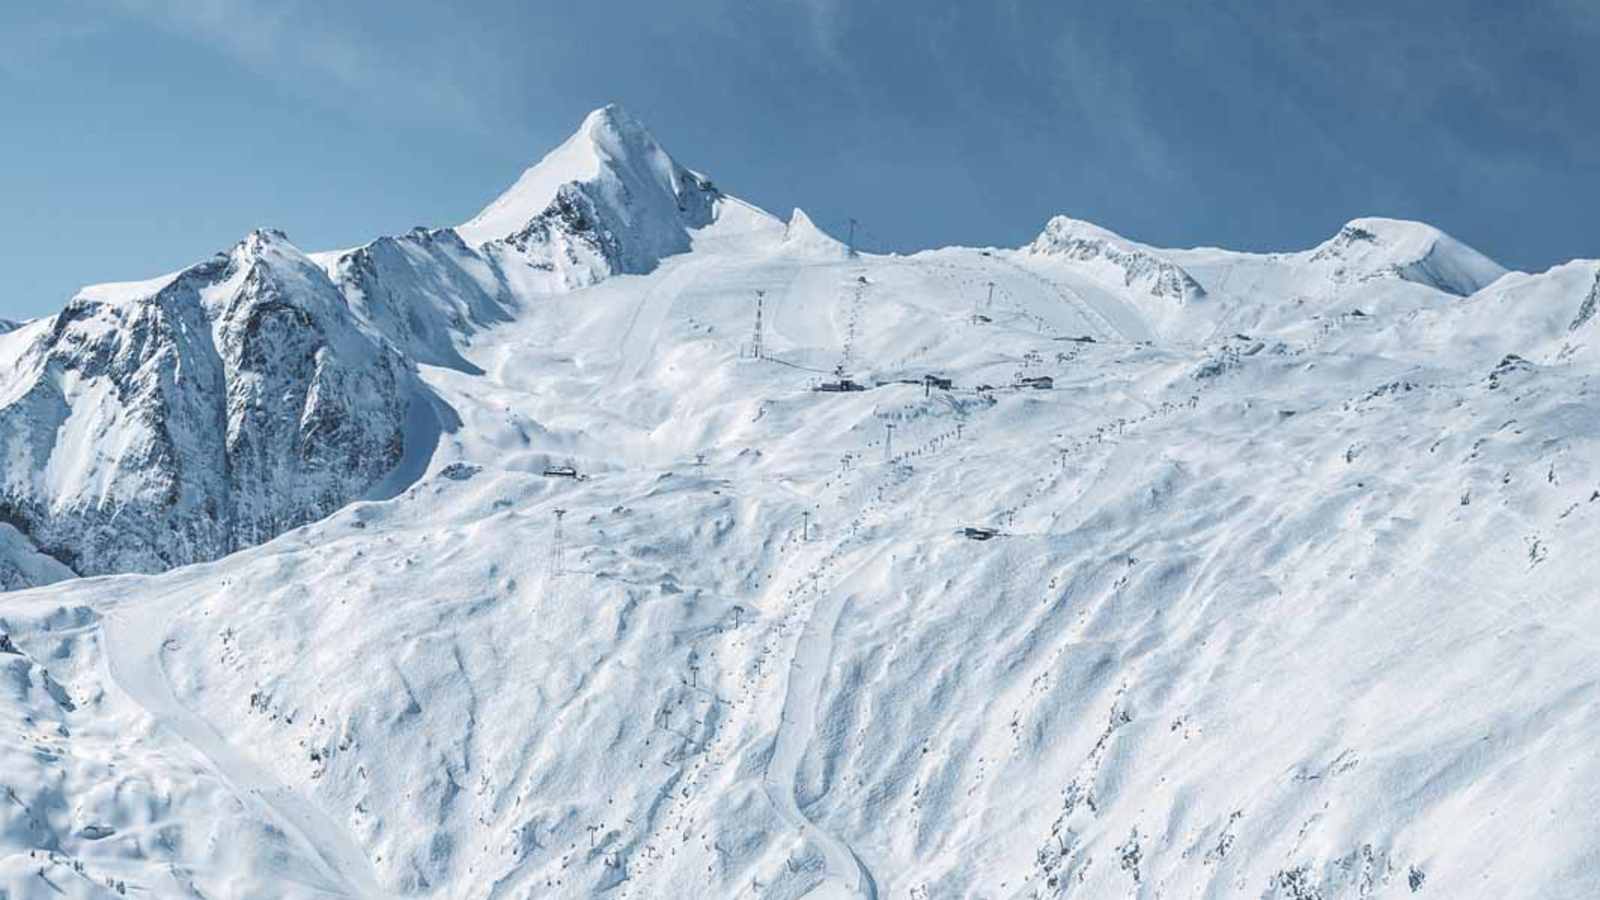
(1135, 266)
(237, 400)
(152, 425)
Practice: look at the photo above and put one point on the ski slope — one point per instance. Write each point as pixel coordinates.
(1275, 600)
(133, 662)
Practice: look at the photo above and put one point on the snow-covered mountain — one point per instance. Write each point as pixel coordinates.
(1118, 260)
(495, 562)
(154, 424)
(608, 201)
(165, 422)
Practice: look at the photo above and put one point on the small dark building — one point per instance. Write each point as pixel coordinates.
(934, 381)
(843, 385)
(1037, 382)
(972, 532)
(560, 472)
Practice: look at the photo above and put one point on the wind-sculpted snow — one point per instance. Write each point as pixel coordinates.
(1082, 593)
(801, 235)
(1546, 317)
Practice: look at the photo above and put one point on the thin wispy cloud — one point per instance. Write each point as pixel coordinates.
(1431, 67)
(302, 44)
(1101, 82)
(825, 19)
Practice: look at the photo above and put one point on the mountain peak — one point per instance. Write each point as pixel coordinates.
(800, 233)
(1061, 228)
(264, 242)
(1374, 246)
(610, 121)
(612, 151)
(1115, 258)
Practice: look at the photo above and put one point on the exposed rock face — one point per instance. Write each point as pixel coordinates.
(1587, 307)
(1117, 259)
(154, 424)
(22, 565)
(1411, 251)
(179, 420)
(609, 201)
(423, 290)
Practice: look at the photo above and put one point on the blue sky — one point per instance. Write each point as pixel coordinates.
(137, 136)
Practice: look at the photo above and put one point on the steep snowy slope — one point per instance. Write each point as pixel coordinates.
(158, 423)
(801, 235)
(1117, 259)
(1385, 267)
(22, 565)
(424, 290)
(1548, 317)
(1131, 605)
(608, 201)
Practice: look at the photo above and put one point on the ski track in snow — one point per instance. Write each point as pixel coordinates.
(639, 338)
(1232, 632)
(133, 662)
(812, 656)
(1072, 298)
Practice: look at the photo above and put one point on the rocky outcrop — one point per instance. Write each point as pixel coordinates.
(1116, 259)
(1410, 251)
(609, 201)
(186, 418)
(425, 291)
(1587, 307)
(154, 424)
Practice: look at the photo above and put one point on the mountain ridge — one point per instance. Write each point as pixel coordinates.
(611, 201)
(562, 565)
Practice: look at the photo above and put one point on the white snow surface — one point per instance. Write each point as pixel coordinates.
(611, 151)
(22, 565)
(577, 159)
(1287, 590)
(803, 236)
